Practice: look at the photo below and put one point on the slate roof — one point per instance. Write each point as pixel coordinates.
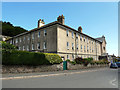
(53, 23)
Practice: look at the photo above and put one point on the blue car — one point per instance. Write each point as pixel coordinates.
(113, 65)
(118, 64)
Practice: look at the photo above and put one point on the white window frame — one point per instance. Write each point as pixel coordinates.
(19, 48)
(28, 38)
(76, 35)
(67, 56)
(72, 46)
(38, 45)
(33, 35)
(72, 34)
(23, 48)
(81, 48)
(38, 34)
(67, 33)
(72, 56)
(20, 39)
(84, 49)
(24, 38)
(87, 49)
(45, 32)
(44, 45)
(10, 41)
(77, 46)
(27, 48)
(32, 46)
(68, 45)
(80, 37)
(16, 41)
(84, 39)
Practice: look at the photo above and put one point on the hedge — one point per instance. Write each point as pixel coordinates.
(13, 57)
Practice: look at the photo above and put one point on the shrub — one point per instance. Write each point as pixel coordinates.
(84, 61)
(79, 60)
(10, 57)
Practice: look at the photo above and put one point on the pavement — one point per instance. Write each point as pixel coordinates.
(85, 78)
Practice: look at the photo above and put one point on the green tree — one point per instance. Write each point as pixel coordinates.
(7, 46)
(9, 30)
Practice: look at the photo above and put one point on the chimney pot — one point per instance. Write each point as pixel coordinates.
(80, 29)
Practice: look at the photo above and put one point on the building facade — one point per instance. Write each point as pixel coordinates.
(56, 37)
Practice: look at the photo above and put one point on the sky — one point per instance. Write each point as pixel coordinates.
(96, 18)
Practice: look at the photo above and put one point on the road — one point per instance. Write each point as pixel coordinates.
(96, 78)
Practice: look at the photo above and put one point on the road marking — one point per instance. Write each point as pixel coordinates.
(113, 82)
(34, 76)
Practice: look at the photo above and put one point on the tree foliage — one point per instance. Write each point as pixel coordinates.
(9, 30)
(7, 46)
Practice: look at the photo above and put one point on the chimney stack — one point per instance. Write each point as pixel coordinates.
(41, 23)
(61, 19)
(80, 29)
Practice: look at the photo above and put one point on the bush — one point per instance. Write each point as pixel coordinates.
(79, 60)
(84, 61)
(72, 62)
(10, 57)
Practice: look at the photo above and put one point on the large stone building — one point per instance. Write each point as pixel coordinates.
(58, 38)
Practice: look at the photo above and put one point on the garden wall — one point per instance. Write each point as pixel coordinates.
(45, 68)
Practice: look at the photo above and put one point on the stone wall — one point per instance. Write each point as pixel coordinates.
(46, 68)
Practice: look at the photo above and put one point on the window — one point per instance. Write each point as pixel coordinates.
(23, 48)
(16, 40)
(24, 38)
(67, 32)
(84, 49)
(80, 37)
(19, 48)
(67, 56)
(84, 38)
(76, 35)
(20, 39)
(27, 48)
(33, 36)
(87, 49)
(81, 48)
(45, 32)
(39, 34)
(44, 45)
(77, 46)
(87, 39)
(104, 48)
(72, 34)
(38, 46)
(90, 49)
(28, 38)
(10, 41)
(72, 56)
(67, 45)
(32, 46)
(72, 46)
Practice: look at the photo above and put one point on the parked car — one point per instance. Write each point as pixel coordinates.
(113, 65)
(118, 64)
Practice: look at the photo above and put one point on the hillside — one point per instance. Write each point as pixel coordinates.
(9, 30)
